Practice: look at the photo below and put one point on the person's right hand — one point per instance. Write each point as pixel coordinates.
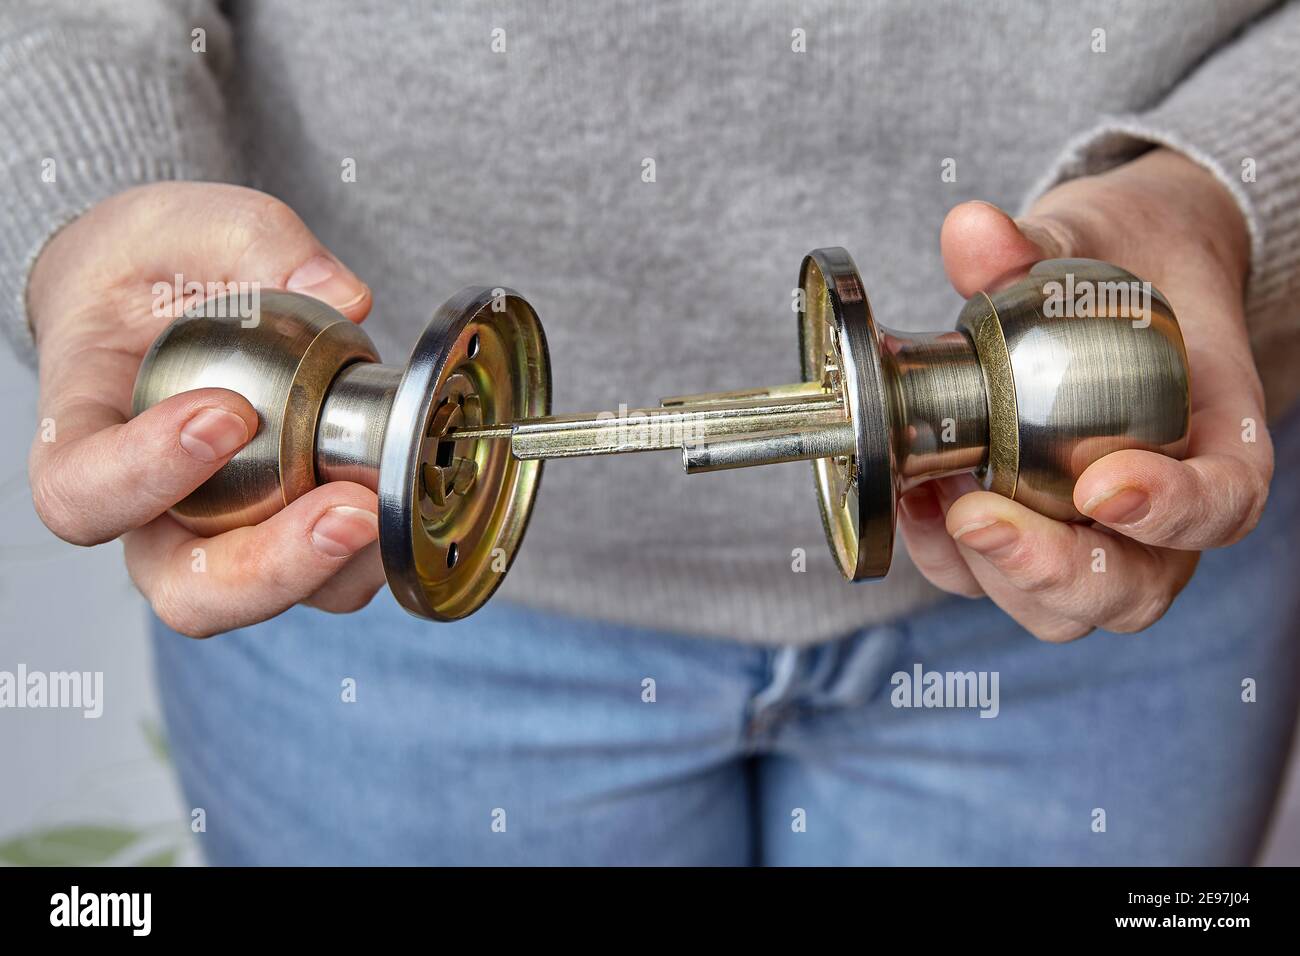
(97, 474)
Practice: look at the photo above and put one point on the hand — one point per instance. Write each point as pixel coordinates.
(91, 305)
(1170, 222)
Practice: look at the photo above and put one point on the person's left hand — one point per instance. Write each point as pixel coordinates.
(1168, 221)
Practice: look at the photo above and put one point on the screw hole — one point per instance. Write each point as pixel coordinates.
(472, 348)
(453, 554)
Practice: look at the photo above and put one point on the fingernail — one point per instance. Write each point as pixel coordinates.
(322, 278)
(1122, 505)
(212, 434)
(921, 504)
(988, 537)
(343, 530)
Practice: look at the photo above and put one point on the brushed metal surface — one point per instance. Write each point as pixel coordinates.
(1001, 469)
(283, 365)
(1089, 385)
(353, 420)
(806, 443)
(937, 407)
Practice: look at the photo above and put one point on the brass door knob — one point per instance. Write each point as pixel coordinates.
(1037, 381)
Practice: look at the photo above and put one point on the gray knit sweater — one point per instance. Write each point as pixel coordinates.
(524, 167)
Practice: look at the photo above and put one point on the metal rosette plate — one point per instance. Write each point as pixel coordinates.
(452, 513)
(839, 346)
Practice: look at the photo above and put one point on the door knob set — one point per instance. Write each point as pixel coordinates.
(1038, 380)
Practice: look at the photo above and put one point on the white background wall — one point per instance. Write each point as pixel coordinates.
(64, 608)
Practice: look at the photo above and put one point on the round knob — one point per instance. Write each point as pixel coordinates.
(283, 361)
(1040, 379)
(452, 511)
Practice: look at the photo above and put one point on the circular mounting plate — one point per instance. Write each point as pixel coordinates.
(838, 340)
(452, 513)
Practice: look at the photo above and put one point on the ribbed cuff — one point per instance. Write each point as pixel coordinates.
(80, 122)
(1238, 116)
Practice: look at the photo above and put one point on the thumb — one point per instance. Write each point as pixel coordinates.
(984, 248)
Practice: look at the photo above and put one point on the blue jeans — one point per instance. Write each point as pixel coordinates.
(525, 738)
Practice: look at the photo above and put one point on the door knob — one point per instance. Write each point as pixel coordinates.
(1037, 380)
(451, 512)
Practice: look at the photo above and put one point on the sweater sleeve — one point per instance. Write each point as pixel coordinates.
(97, 96)
(1238, 115)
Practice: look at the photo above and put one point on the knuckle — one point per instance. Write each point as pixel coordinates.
(1261, 482)
(1246, 506)
(258, 220)
(1181, 523)
(270, 215)
(1254, 512)
(1236, 496)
